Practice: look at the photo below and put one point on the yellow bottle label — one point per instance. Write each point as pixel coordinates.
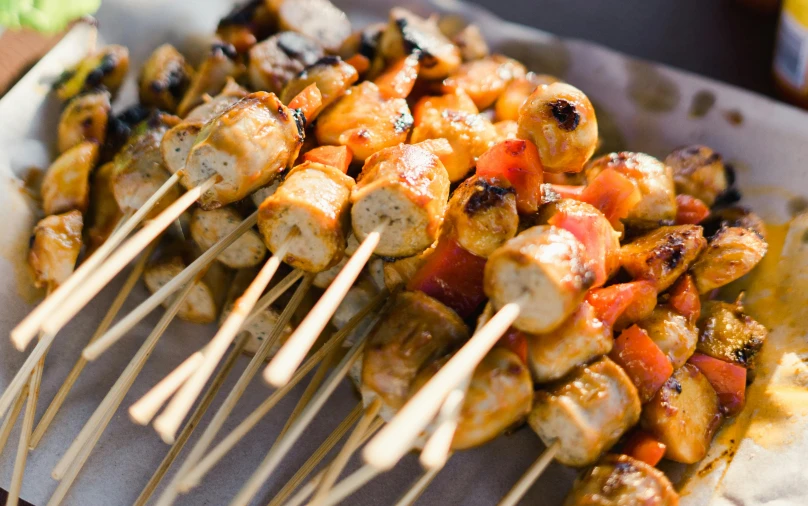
(791, 53)
(798, 10)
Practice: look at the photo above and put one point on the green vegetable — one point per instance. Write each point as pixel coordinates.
(44, 15)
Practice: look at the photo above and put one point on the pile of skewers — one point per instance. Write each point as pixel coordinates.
(424, 187)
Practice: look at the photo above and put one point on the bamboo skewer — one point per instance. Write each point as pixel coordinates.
(150, 304)
(418, 487)
(311, 389)
(116, 394)
(207, 437)
(169, 421)
(531, 475)
(196, 417)
(394, 440)
(122, 256)
(195, 474)
(11, 419)
(439, 445)
(341, 460)
(149, 405)
(351, 484)
(291, 355)
(22, 445)
(75, 372)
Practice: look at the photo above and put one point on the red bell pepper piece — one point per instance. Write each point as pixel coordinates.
(515, 341)
(613, 194)
(360, 62)
(338, 157)
(645, 447)
(597, 236)
(397, 81)
(622, 304)
(518, 162)
(309, 101)
(684, 298)
(643, 361)
(453, 276)
(728, 381)
(690, 210)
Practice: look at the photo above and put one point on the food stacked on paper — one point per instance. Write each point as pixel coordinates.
(397, 205)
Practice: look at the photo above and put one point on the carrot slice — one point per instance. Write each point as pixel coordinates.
(645, 447)
(309, 101)
(398, 80)
(360, 62)
(338, 157)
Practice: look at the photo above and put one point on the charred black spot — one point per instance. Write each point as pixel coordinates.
(87, 123)
(729, 171)
(282, 112)
(229, 50)
(485, 197)
(713, 158)
(564, 112)
(298, 47)
(31, 241)
(94, 78)
(241, 14)
(670, 254)
(327, 61)
(728, 197)
(176, 80)
(403, 123)
(300, 122)
(674, 384)
(369, 42)
(416, 42)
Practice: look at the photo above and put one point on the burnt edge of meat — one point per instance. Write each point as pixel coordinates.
(175, 82)
(241, 14)
(416, 43)
(671, 253)
(229, 50)
(369, 42)
(119, 128)
(565, 113)
(485, 197)
(325, 61)
(299, 47)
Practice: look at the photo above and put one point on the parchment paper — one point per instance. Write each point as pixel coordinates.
(640, 106)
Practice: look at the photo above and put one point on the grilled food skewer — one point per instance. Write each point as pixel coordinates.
(143, 411)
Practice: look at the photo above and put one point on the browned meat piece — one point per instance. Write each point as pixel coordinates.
(731, 253)
(332, 76)
(517, 92)
(663, 255)
(106, 68)
(210, 77)
(674, 335)
(317, 19)
(619, 480)
(164, 78)
(581, 338)
(407, 33)
(698, 171)
(726, 333)
(247, 146)
(275, 61)
(365, 121)
(652, 178)
(481, 217)
(417, 330)
(486, 79)
(209, 227)
(104, 212)
(84, 119)
(309, 215)
(471, 43)
(546, 270)
(684, 414)
(561, 121)
(66, 185)
(406, 188)
(246, 24)
(587, 412)
(733, 217)
(55, 247)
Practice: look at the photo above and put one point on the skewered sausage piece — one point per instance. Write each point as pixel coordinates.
(105, 68)
(652, 178)
(84, 118)
(308, 213)
(281, 57)
(481, 216)
(66, 185)
(407, 33)
(663, 255)
(317, 19)
(247, 146)
(731, 253)
(619, 480)
(164, 78)
(698, 171)
(586, 412)
(332, 76)
(365, 121)
(405, 188)
(499, 396)
(208, 227)
(581, 338)
(55, 248)
(546, 270)
(486, 79)
(417, 330)
(673, 333)
(210, 77)
(561, 121)
(139, 169)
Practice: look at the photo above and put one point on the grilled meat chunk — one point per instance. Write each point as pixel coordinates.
(332, 76)
(84, 118)
(619, 480)
(275, 61)
(210, 77)
(733, 217)
(66, 185)
(407, 33)
(55, 247)
(208, 227)
(663, 255)
(698, 171)
(485, 80)
(674, 335)
(731, 253)
(317, 19)
(726, 333)
(105, 68)
(164, 78)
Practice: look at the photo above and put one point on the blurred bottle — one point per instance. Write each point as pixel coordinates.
(790, 65)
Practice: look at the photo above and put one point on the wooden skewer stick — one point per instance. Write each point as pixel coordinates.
(395, 439)
(25, 331)
(308, 489)
(214, 426)
(197, 415)
(291, 355)
(126, 324)
(169, 421)
(279, 451)
(116, 394)
(11, 419)
(122, 256)
(418, 487)
(439, 445)
(194, 476)
(351, 484)
(341, 460)
(78, 367)
(24, 373)
(531, 475)
(22, 446)
(318, 455)
(311, 389)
